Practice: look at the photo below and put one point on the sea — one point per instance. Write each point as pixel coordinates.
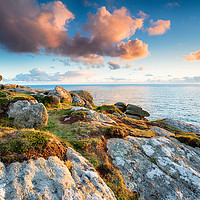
(181, 102)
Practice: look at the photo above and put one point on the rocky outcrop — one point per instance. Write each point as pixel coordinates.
(84, 94)
(63, 94)
(51, 179)
(183, 126)
(121, 106)
(95, 116)
(161, 132)
(136, 112)
(157, 168)
(1, 77)
(28, 114)
(81, 101)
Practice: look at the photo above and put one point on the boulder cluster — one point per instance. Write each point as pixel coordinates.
(132, 111)
(31, 114)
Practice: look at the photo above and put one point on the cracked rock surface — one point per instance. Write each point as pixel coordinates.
(51, 179)
(157, 168)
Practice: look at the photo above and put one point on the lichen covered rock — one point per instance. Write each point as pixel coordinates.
(28, 115)
(84, 94)
(157, 168)
(63, 94)
(51, 179)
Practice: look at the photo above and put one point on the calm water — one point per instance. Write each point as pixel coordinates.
(180, 102)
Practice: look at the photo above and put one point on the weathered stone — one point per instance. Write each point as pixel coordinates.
(77, 99)
(28, 115)
(183, 126)
(63, 94)
(95, 116)
(157, 168)
(136, 110)
(121, 106)
(33, 102)
(84, 174)
(51, 179)
(161, 132)
(133, 116)
(84, 94)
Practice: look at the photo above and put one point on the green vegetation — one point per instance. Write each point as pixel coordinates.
(24, 144)
(108, 109)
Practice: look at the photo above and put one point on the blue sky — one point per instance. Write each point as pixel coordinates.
(110, 59)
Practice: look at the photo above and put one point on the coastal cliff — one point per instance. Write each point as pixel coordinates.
(57, 144)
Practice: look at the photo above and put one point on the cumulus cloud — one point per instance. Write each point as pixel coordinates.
(113, 65)
(194, 56)
(29, 27)
(37, 74)
(159, 27)
(112, 28)
(25, 26)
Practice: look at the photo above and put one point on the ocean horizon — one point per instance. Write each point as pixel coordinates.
(174, 101)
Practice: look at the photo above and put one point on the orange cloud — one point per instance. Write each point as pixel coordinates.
(159, 27)
(27, 26)
(194, 56)
(112, 28)
(133, 49)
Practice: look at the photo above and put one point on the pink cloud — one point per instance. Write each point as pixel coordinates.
(114, 27)
(159, 27)
(194, 56)
(27, 26)
(133, 49)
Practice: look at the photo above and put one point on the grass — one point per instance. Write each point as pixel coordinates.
(108, 109)
(19, 145)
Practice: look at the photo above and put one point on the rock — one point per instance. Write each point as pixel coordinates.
(1, 77)
(121, 106)
(81, 101)
(28, 115)
(116, 114)
(33, 102)
(95, 116)
(183, 126)
(63, 94)
(55, 100)
(136, 111)
(124, 115)
(133, 116)
(161, 132)
(77, 99)
(87, 178)
(158, 167)
(51, 179)
(84, 94)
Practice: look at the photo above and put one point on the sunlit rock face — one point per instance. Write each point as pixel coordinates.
(157, 168)
(63, 94)
(183, 126)
(51, 179)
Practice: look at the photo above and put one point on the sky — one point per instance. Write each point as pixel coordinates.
(99, 42)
